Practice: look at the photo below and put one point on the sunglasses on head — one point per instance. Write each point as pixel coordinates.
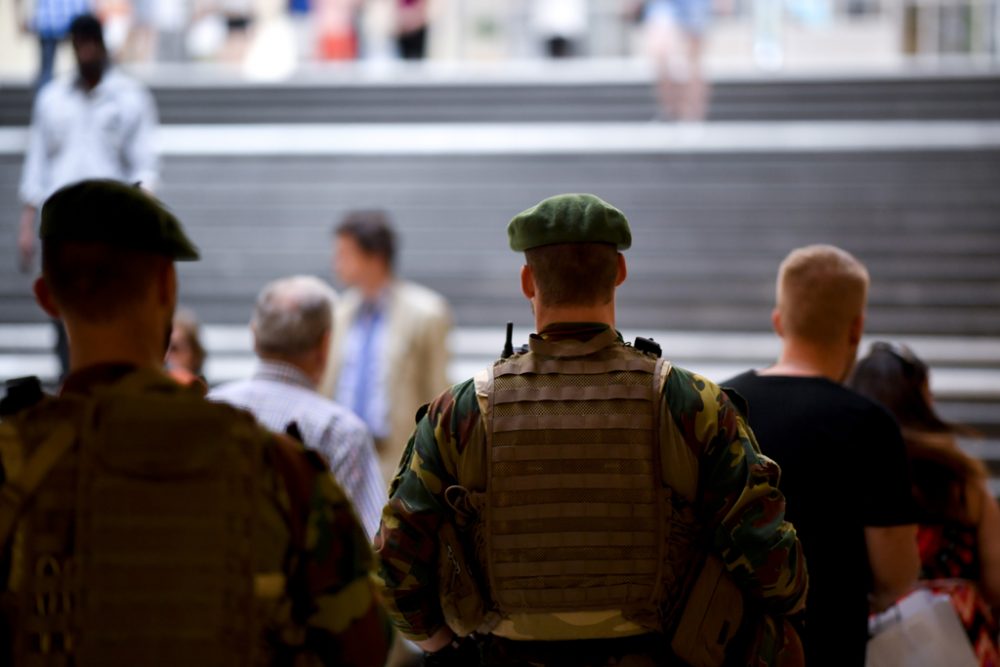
(901, 352)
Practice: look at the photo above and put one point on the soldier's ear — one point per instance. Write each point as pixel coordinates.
(622, 270)
(166, 284)
(528, 282)
(44, 298)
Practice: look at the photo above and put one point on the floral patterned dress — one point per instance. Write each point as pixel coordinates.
(950, 561)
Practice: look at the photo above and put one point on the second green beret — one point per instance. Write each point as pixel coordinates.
(116, 214)
(569, 218)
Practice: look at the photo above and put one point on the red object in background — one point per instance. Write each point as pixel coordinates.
(337, 46)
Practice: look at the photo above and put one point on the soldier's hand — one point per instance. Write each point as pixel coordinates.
(461, 652)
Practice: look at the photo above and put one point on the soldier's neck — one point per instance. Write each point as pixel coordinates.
(547, 315)
(133, 343)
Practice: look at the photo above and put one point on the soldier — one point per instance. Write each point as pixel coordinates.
(142, 524)
(583, 502)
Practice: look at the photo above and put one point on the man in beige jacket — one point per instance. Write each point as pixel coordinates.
(389, 354)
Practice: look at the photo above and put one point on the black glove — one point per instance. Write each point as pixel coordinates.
(461, 652)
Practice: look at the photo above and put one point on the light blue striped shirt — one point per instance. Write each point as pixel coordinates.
(278, 394)
(52, 17)
(363, 390)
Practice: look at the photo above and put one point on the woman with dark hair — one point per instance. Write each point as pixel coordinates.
(185, 357)
(959, 533)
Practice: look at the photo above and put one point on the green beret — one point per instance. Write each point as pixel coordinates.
(120, 215)
(572, 218)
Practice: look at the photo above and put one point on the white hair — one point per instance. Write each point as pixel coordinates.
(292, 315)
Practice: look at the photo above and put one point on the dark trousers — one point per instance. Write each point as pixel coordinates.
(47, 59)
(413, 45)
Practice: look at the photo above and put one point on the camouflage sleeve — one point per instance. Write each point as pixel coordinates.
(738, 495)
(337, 600)
(407, 543)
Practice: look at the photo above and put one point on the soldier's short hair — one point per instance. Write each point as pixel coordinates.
(372, 231)
(820, 290)
(574, 274)
(98, 282)
(292, 315)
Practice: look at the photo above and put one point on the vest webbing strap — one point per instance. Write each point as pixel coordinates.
(18, 490)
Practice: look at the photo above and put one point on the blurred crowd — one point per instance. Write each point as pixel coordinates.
(171, 31)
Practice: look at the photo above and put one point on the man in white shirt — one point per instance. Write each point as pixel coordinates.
(291, 324)
(96, 123)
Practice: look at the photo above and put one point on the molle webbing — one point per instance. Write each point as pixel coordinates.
(161, 566)
(574, 520)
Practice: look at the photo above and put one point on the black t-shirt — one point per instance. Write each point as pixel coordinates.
(843, 467)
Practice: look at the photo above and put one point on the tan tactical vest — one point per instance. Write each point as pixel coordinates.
(136, 547)
(574, 516)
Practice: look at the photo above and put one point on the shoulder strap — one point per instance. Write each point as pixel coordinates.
(18, 489)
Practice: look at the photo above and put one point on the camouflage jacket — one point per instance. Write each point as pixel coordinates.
(708, 454)
(326, 608)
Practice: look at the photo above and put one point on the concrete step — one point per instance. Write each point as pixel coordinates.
(711, 217)
(884, 97)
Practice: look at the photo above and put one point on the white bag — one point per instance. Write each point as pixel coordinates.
(921, 630)
(206, 37)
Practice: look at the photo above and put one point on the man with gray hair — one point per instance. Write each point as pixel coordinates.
(292, 324)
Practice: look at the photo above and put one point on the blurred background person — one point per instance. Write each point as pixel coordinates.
(561, 25)
(291, 325)
(157, 31)
(239, 17)
(411, 28)
(337, 29)
(50, 21)
(959, 520)
(390, 348)
(140, 44)
(677, 28)
(300, 13)
(93, 123)
(186, 354)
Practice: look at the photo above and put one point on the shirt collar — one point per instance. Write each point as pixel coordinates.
(282, 371)
(582, 331)
(86, 379)
(107, 80)
(380, 302)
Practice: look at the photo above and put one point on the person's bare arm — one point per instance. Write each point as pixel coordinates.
(989, 548)
(895, 562)
(26, 237)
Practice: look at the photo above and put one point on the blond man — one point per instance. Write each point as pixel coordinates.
(843, 459)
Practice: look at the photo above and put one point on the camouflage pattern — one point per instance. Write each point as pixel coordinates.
(325, 609)
(719, 479)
